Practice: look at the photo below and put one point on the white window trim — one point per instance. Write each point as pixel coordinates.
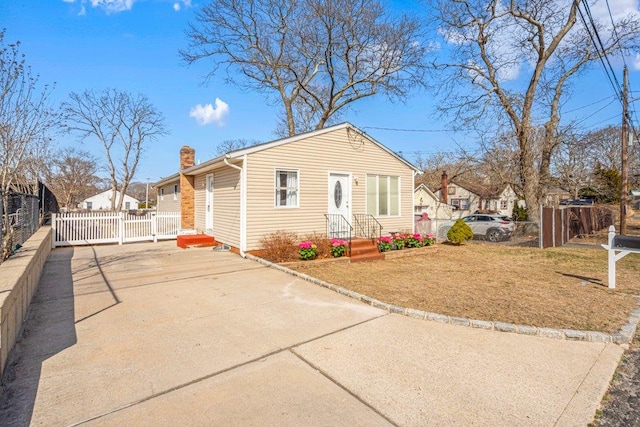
(275, 187)
(378, 175)
(162, 193)
(175, 191)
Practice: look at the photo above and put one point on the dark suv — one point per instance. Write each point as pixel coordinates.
(493, 227)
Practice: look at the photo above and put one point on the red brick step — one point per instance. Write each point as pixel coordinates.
(195, 240)
(365, 250)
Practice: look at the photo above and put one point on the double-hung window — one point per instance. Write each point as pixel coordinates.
(175, 192)
(383, 195)
(286, 188)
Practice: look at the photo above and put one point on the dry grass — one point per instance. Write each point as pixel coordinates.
(556, 288)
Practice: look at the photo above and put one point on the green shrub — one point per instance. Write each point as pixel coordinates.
(519, 213)
(459, 232)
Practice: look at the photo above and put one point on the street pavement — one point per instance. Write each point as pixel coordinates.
(150, 334)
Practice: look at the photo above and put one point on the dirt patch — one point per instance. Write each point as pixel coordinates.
(555, 287)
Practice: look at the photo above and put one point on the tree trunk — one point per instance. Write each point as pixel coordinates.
(528, 177)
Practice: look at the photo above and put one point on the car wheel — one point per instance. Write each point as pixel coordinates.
(493, 236)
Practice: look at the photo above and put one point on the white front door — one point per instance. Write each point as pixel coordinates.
(208, 225)
(339, 205)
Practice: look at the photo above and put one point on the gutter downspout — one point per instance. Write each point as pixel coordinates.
(243, 202)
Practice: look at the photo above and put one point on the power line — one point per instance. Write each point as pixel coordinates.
(596, 112)
(590, 105)
(408, 130)
(613, 28)
(603, 56)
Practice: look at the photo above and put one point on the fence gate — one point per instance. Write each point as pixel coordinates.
(88, 228)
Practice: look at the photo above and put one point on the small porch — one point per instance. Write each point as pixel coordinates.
(361, 234)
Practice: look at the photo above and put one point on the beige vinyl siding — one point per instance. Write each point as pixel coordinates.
(168, 204)
(226, 206)
(199, 184)
(315, 158)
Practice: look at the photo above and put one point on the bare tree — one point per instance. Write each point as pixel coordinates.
(72, 176)
(229, 145)
(459, 166)
(123, 123)
(25, 121)
(514, 60)
(314, 57)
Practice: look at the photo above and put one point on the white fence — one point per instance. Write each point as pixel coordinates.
(87, 228)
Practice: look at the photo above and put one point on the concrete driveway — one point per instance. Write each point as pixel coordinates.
(150, 334)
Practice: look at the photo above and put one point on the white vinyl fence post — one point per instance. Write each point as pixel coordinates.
(54, 217)
(121, 228)
(154, 227)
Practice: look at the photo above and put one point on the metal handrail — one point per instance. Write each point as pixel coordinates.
(367, 226)
(338, 227)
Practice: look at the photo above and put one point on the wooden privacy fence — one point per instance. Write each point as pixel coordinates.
(87, 228)
(559, 225)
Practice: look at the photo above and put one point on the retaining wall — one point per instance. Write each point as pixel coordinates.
(19, 277)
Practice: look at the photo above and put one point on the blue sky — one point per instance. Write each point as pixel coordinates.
(132, 45)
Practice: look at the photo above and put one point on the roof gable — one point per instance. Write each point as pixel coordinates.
(483, 191)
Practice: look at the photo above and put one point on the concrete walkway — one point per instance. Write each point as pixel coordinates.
(150, 334)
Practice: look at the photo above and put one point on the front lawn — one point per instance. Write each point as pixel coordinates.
(557, 288)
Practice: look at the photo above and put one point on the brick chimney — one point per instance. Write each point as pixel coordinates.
(187, 193)
(444, 187)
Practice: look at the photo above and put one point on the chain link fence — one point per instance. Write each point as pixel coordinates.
(19, 220)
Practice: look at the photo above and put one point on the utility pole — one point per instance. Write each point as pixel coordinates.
(146, 199)
(624, 156)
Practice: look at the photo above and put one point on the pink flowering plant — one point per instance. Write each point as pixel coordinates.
(398, 240)
(385, 243)
(428, 239)
(307, 250)
(414, 240)
(338, 247)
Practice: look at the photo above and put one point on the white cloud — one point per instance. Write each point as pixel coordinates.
(115, 6)
(619, 9)
(636, 62)
(209, 114)
(109, 6)
(177, 5)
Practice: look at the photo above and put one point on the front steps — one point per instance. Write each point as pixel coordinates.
(195, 241)
(365, 250)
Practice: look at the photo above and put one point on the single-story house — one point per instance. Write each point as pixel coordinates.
(426, 202)
(467, 197)
(102, 201)
(429, 212)
(317, 182)
(634, 199)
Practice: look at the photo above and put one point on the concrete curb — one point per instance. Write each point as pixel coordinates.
(624, 336)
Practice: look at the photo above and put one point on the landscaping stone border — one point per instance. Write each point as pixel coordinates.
(624, 336)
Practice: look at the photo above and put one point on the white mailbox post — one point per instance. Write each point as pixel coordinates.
(623, 245)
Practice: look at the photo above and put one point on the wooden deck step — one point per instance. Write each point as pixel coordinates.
(195, 241)
(365, 250)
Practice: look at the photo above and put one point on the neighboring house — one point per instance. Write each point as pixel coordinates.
(168, 195)
(553, 196)
(102, 201)
(290, 185)
(429, 212)
(426, 201)
(468, 198)
(634, 199)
